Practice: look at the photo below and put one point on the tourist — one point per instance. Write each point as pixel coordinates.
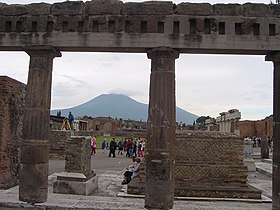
(93, 146)
(71, 120)
(113, 147)
(104, 146)
(132, 171)
(120, 145)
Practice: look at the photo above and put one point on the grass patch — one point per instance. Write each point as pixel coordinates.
(100, 139)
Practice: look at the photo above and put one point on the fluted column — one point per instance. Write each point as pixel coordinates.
(34, 159)
(160, 163)
(275, 58)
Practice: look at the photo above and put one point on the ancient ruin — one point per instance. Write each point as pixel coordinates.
(78, 177)
(12, 95)
(163, 30)
(207, 164)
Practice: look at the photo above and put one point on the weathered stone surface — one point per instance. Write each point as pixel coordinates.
(58, 141)
(78, 155)
(12, 94)
(14, 9)
(255, 10)
(148, 8)
(64, 186)
(207, 164)
(39, 9)
(68, 8)
(227, 9)
(102, 7)
(202, 9)
(33, 185)
(274, 9)
(161, 129)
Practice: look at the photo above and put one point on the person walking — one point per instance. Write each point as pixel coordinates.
(120, 145)
(93, 146)
(104, 146)
(113, 146)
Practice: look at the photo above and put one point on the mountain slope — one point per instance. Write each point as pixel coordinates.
(120, 106)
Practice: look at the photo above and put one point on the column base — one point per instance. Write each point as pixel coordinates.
(75, 183)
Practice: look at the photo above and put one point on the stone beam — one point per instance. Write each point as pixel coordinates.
(34, 159)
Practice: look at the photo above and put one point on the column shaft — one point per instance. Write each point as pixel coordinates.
(275, 58)
(159, 192)
(33, 179)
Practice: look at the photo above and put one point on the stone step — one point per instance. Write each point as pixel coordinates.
(264, 168)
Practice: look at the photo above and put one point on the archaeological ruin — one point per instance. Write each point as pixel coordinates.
(163, 31)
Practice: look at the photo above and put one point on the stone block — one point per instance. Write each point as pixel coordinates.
(102, 7)
(201, 9)
(148, 8)
(14, 9)
(39, 9)
(75, 183)
(256, 10)
(68, 8)
(227, 9)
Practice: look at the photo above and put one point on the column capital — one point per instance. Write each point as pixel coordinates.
(273, 56)
(39, 50)
(162, 52)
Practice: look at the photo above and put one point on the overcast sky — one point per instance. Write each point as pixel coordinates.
(205, 84)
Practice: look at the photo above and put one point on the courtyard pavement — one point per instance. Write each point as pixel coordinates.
(107, 196)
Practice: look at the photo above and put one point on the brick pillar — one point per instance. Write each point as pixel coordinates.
(33, 178)
(159, 193)
(275, 58)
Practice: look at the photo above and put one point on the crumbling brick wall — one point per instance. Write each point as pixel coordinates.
(12, 94)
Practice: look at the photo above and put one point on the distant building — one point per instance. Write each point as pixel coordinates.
(229, 121)
(262, 127)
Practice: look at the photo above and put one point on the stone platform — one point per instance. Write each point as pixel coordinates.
(207, 164)
(75, 183)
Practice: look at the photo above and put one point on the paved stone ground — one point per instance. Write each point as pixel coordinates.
(109, 171)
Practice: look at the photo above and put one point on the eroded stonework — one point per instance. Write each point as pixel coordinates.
(207, 164)
(12, 95)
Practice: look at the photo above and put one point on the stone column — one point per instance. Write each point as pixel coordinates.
(34, 160)
(159, 193)
(275, 58)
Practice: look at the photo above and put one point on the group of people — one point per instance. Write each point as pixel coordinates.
(128, 147)
(257, 141)
(133, 149)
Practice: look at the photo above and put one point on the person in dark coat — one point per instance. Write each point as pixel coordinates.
(113, 147)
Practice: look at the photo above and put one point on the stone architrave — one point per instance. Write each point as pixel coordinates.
(159, 193)
(275, 58)
(34, 159)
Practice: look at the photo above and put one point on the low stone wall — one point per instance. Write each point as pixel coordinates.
(58, 140)
(207, 164)
(57, 143)
(11, 114)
